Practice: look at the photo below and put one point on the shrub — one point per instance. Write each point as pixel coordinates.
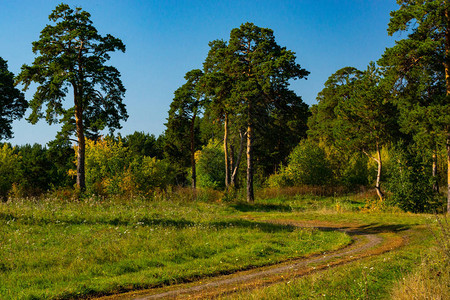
(149, 173)
(210, 162)
(410, 183)
(111, 169)
(355, 172)
(307, 165)
(106, 166)
(9, 169)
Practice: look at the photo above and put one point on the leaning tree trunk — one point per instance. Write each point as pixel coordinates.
(379, 169)
(378, 183)
(192, 138)
(235, 166)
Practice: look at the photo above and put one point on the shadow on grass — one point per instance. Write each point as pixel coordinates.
(373, 228)
(263, 226)
(149, 221)
(246, 207)
(145, 221)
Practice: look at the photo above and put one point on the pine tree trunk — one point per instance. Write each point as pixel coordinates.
(250, 194)
(435, 171)
(194, 175)
(447, 81)
(81, 174)
(78, 92)
(448, 173)
(225, 150)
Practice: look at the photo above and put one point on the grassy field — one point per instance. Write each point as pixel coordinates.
(55, 249)
(64, 249)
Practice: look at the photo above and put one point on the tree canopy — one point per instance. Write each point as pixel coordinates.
(259, 70)
(12, 101)
(421, 65)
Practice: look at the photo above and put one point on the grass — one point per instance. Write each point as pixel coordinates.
(409, 272)
(56, 249)
(371, 278)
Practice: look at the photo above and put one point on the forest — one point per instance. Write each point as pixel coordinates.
(236, 136)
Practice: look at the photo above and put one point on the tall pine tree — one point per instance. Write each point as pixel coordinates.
(72, 55)
(426, 49)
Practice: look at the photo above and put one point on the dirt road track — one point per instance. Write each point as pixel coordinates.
(366, 241)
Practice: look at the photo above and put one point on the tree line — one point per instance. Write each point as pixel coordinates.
(389, 123)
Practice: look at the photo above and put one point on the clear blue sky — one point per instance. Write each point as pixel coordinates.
(165, 39)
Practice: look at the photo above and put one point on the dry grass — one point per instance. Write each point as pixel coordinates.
(321, 191)
(432, 279)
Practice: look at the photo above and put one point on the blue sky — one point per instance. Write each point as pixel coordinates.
(165, 39)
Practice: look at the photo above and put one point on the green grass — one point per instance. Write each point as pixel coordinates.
(370, 278)
(377, 277)
(56, 249)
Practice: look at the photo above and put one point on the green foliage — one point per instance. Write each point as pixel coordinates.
(282, 178)
(285, 125)
(39, 172)
(32, 170)
(113, 170)
(419, 66)
(307, 165)
(150, 173)
(210, 166)
(106, 167)
(355, 171)
(73, 54)
(9, 171)
(144, 144)
(338, 88)
(410, 182)
(182, 133)
(247, 79)
(355, 114)
(12, 101)
(61, 156)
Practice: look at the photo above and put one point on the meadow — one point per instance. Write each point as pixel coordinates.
(64, 249)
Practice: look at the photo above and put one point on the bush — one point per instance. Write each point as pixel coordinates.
(111, 169)
(9, 170)
(410, 183)
(149, 173)
(106, 166)
(355, 172)
(307, 165)
(210, 164)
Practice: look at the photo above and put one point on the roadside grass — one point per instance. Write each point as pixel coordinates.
(63, 249)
